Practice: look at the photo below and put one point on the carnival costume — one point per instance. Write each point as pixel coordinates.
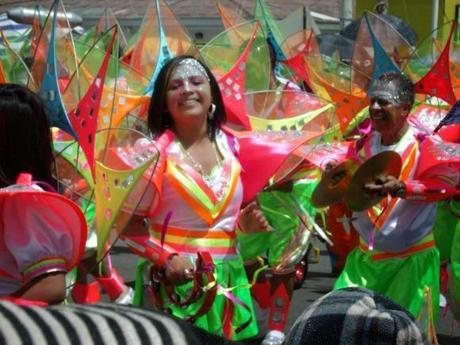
(41, 233)
(201, 213)
(343, 235)
(397, 254)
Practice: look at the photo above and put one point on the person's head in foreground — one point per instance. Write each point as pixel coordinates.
(391, 99)
(25, 138)
(355, 316)
(186, 98)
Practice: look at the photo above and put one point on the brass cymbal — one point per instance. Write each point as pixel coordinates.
(334, 184)
(383, 164)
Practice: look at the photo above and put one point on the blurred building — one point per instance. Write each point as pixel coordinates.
(200, 17)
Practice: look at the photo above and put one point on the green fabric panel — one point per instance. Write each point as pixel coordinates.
(401, 279)
(283, 220)
(443, 229)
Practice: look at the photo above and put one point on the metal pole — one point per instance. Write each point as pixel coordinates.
(347, 12)
(434, 17)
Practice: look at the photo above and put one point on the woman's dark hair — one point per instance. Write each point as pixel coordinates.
(159, 118)
(25, 137)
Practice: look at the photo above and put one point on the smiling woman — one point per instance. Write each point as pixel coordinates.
(198, 207)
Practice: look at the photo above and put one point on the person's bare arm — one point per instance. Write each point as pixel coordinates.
(48, 288)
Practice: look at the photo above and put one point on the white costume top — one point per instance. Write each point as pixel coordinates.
(202, 211)
(409, 221)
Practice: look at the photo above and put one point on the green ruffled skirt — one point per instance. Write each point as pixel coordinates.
(402, 279)
(230, 273)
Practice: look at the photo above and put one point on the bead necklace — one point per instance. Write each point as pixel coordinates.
(197, 165)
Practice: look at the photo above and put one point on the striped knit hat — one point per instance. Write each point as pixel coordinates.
(355, 316)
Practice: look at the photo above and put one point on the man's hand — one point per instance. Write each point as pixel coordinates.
(385, 184)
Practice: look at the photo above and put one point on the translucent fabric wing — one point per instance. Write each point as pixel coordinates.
(434, 66)
(296, 48)
(13, 69)
(160, 38)
(290, 110)
(84, 117)
(106, 22)
(378, 47)
(222, 52)
(229, 16)
(234, 70)
(125, 164)
(123, 87)
(333, 80)
(271, 30)
(53, 71)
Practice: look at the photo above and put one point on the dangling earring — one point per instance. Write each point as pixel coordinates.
(211, 112)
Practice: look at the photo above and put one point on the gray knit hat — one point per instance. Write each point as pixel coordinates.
(355, 316)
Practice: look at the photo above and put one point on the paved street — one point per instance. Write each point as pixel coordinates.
(319, 281)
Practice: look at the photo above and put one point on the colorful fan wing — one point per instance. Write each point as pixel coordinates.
(298, 243)
(231, 69)
(436, 81)
(449, 127)
(105, 23)
(270, 27)
(382, 62)
(67, 149)
(333, 80)
(122, 87)
(125, 162)
(144, 53)
(435, 153)
(59, 66)
(84, 117)
(222, 52)
(427, 116)
(2, 74)
(454, 62)
(177, 37)
(161, 37)
(347, 105)
(297, 47)
(322, 154)
(359, 125)
(116, 107)
(13, 68)
(119, 76)
(363, 57)
(229, 17)
(378, 48)
(265, 152)
(288, 110)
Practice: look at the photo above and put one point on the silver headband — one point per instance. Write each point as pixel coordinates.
(388, 90)
(189, 68)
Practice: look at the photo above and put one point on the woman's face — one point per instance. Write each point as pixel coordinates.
(188, 97)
